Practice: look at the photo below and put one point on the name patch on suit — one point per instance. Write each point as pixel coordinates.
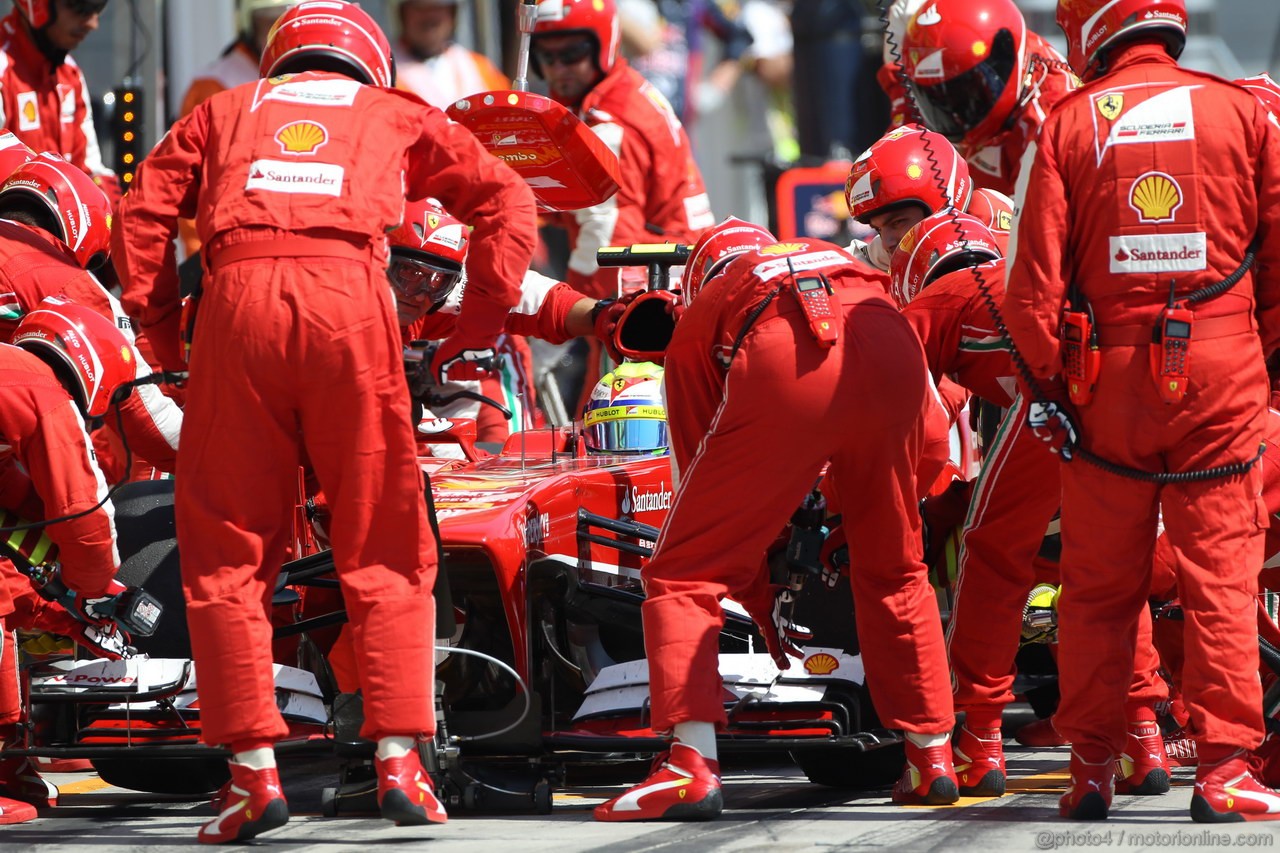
(1159, 253)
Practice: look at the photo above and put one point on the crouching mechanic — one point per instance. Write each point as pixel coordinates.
(429, 281)
(55, 230)
(746, 358)
(294, 182)
(1149, 238)
(948, 275)
(67, 365)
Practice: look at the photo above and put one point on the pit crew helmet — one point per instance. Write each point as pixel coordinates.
(40, 13)
(936, 245)
(597, 19)
(80, 210)
(626, 412)
(1093, 27)
(246, 10)
(333, 35)
(1262, 87)
(428, 251)
(716, 247)
(965, 60)
(13, 153)
(909, 164)
(79, 342)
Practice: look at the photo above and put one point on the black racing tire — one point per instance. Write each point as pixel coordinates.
(148, 541)
(181, 776)
(850, 768)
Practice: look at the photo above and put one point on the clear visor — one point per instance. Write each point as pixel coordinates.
(632, 435)
(419, 282)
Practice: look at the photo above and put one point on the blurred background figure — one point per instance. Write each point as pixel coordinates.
(430, 63)
(238, 63)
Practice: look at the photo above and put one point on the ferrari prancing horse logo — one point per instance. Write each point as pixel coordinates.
(1110, 105)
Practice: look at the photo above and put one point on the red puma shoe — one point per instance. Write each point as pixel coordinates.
(682, 786)
(929, 778)
(1227, 791)
(15, 811)
(1040, 734)
(405, 794)
(1180, 749)
(1092, 786)
(20, 780)
(1141, 768)
(979, 757)
(250, 804)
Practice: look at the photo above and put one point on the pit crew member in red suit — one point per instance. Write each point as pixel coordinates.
(43, 95)
(54, 229)
(67, 364)
(1148, 183)
(939, 273)
(983, 80)
(728, 366)
(296, 338)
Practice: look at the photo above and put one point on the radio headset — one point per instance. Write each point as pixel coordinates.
(1080, 346)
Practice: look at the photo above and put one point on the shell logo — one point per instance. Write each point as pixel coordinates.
(125, 355)
(302, 137)
(1156, 197)
(914, 171)
(781, 248)
(821, 664)
(29, 111)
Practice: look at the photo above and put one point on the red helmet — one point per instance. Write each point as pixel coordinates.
(1092, 26)
(316, 34)
(596, 18)
(907, 164)
(993, 209)
(63, 333)
(13, 153)
(40, 13)
(81, 210)
(965, 62)
(716, 247)
(1263, 88)
(935, 245)
(428, 251)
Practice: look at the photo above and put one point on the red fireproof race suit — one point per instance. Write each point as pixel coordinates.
(1014, 498)
(293, 182)
(1152, 178)
(662, 197)
(734, 383)
(46, 104)
(34, 266)
(47, 470)
(995, 162)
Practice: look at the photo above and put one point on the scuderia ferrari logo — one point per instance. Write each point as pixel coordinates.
(1110, 105)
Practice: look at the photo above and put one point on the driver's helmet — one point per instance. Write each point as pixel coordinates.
(626, 412)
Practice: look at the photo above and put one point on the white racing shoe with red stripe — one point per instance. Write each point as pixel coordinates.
(683, 786)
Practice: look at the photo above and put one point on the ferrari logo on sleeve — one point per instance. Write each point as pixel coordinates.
(1110, 105)
(301, 138)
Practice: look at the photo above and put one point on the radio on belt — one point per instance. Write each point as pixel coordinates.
(1170, 351)
(814, 293)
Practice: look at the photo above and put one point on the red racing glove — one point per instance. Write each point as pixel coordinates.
(769, 609)
(457, 360)
(1053, 424)
(645, 327)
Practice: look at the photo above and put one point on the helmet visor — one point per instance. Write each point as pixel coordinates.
(418, 282)
(957, 106)
(633, 435)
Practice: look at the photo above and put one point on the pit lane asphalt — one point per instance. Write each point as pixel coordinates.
(770, 806)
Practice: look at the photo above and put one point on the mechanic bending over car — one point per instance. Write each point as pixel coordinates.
(1150, 241)
(945, 272)
(293, 181)
(795, 336)
(56, 384)
(55, 231)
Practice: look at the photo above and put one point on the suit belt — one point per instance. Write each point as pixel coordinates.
(1204, 328)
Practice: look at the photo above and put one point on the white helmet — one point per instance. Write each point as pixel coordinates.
(246, 9)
